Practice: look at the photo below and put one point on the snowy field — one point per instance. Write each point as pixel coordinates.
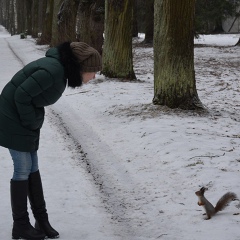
(116, 167)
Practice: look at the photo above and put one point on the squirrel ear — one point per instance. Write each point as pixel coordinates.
(202, 189)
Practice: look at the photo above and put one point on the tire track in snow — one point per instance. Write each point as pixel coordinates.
(14, 53)
(115, 184)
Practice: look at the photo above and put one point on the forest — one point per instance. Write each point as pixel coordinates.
(110, 26)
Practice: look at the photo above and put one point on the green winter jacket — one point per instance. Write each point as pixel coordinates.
(22, 101)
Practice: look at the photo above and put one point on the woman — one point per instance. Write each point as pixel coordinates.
(22, 101)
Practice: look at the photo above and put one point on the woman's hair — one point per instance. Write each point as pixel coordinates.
(71, 65)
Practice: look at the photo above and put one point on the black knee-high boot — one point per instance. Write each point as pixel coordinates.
(38, 205)
(22, 229)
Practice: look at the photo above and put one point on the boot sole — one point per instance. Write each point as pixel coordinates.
(55, 237)
(20, 238)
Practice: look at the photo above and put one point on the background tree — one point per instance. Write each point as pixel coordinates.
(174, 75)
(5, 6)
(141, 14)
(46, 34)
(144, 12)
(149, 21)
(135, 19)
(11, 15)
(211, 13)
(8, 15)
(35, 18)
(117, 50)
(67, 21)
(90, 22)
(28, 16)
(55, 31)
(1, 11)
(21, 16)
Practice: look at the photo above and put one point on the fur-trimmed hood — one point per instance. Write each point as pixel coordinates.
(71, 65)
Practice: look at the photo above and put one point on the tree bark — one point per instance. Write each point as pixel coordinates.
(149, 22)
(135, 19)
(90, 23)
(67, 20)
(15, 16)
(141, 15)
(7, 17)
(29, 16)
(1, 12)
(117, 50)
(55, 33)
(21, 16)
(218, 27)
(46, 35)
(11, 17)
(35, 29)
(174, 75)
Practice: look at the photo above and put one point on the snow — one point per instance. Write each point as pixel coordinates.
(114, 166)
(218, 39)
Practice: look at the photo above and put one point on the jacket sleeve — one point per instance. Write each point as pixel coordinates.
(34, 85)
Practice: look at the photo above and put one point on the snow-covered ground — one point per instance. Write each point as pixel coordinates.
(114, 166)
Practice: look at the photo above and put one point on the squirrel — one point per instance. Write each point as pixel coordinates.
(221, 204)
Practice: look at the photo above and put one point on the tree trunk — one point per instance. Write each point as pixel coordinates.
(7, 17)
(35, 5)
(15, 16)
(46, 35)
(218, 27)
(141, 15)
(11, 17)
(41, 14)
(90, 23)
(67, 20)
(55, 33)
(135, 19)
(174, 75)
(29, 16)
(149, 22)
(21, 16)
(1, 12)
(117, 50)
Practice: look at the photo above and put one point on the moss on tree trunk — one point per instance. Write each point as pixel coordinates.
(174, 75)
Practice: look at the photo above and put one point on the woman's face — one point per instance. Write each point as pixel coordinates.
(87, 76)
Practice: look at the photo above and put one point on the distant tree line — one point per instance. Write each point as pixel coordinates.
(211, 13)
(52, 20)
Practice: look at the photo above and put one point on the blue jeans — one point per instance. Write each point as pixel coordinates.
(24, 163)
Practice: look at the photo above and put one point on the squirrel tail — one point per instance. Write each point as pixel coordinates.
(224, 200)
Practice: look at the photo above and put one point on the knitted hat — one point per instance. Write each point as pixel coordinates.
(88, 57)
